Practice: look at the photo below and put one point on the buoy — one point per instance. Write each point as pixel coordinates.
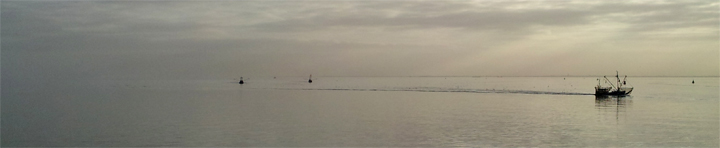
(241, 81)
(310, 79)
(693, 82)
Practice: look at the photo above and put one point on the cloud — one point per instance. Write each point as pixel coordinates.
(493, 20)
(167, 20)
(226, 38)
(661, 16)
(514, 20)
(416, 15)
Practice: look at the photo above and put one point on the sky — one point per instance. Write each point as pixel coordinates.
(50, 40)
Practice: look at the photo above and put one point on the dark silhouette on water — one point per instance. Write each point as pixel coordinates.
(615, 90)
(693, 82)
(310, 79)
(241, 81)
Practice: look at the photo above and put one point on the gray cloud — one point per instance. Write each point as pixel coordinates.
(220, 39)
(663, 16)
(490, 20)
(416, 15)
(183, 19)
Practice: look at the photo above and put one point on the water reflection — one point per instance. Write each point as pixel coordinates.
(613, 107)
(612, 101)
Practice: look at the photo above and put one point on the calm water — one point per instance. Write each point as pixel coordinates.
(362, 111)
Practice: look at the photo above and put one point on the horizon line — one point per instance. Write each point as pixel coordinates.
(505, 76)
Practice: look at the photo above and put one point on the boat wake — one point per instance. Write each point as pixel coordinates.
(432, 89)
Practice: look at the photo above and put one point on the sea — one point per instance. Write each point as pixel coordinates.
(361, 112)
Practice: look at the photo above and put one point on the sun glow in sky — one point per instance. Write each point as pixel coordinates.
(229, 39)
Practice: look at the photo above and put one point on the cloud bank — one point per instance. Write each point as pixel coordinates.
(46, 40)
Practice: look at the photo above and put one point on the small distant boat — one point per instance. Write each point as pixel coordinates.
(613, 90)
(310, 79)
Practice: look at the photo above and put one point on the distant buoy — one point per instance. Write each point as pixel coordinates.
(241, 81)
(310, 79)
(693, 82)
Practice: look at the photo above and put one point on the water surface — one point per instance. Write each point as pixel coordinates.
(362, 111)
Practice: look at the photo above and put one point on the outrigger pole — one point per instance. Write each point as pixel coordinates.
(608, 80)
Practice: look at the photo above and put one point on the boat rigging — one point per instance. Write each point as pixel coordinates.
(616, 90)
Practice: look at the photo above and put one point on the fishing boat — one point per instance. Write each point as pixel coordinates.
(619, 89)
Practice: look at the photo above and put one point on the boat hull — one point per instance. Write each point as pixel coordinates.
(608, 92)
(615, 90)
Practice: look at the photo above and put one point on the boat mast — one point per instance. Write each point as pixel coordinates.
(617, 76)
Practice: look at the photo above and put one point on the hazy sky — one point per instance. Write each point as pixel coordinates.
(227, 39)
